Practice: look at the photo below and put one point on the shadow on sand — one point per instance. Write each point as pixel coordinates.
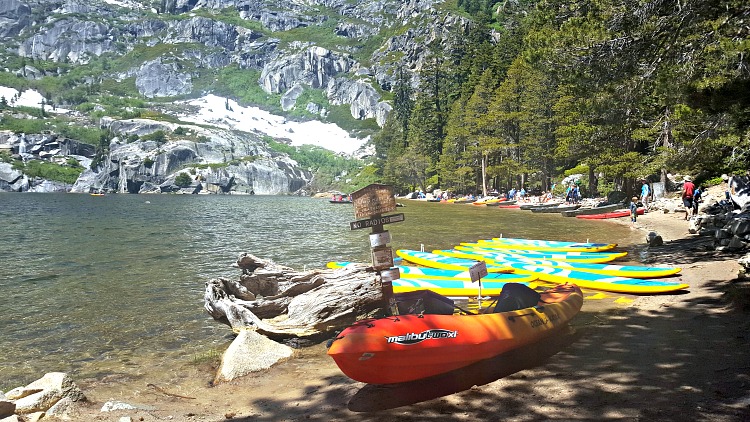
(374, 397)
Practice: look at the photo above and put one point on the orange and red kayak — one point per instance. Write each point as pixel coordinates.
(410, 347)
(613, 214)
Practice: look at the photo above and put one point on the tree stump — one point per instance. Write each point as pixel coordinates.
(289, 306)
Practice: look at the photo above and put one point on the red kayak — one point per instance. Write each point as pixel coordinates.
(410, 347)
(614, 214)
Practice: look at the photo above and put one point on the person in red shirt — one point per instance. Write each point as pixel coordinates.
(687, 196)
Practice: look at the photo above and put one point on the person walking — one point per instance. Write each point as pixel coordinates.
(633, 211)
(645, 194)
(688, 188)
(697, 199)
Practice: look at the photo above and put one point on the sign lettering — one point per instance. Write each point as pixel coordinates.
(376, 221)
(372, 200)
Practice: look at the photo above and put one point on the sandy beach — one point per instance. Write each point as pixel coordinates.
(664, 357)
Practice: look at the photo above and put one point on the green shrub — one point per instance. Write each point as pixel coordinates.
(158, 136)
(87, 135)
(713, 181)
(72, 162)
(183, 180)
(49, 171)
(17, 125)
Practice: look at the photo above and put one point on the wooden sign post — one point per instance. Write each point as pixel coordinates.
(370, 203)
(476, 272)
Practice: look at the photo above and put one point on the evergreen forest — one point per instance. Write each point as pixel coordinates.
(614, 90)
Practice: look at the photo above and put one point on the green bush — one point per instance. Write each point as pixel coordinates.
(158, 136)
(83, 134)
(715, 181)
(17, 125)
(183, 180)
(49, 171)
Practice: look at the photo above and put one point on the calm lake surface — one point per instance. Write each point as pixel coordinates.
(103, 286)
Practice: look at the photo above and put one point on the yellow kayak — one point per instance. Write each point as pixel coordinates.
(544, 245)
(634, 271)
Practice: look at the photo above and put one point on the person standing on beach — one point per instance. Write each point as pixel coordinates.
(633, 211)
(687, 196)
(645, 193)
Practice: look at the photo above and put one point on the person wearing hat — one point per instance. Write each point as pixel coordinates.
(688, 188)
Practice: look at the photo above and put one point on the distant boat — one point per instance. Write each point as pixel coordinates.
(340, 199)
(591, 210)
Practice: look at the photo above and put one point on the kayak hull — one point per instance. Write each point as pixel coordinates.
(614, 214)
(590, 257)
(545, 245)
(411, 347)
(634, 271)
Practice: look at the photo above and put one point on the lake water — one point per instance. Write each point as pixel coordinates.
(101, 286)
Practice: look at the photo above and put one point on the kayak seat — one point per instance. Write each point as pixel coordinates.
(516, 296)
(423, 302)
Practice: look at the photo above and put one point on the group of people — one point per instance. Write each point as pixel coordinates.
(516, 194)
(691, 197)
(573, 193)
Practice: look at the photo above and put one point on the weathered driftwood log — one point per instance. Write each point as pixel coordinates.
(283, 304)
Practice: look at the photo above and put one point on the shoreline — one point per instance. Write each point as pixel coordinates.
(672, 357)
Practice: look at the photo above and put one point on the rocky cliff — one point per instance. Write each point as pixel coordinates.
(217, 33)
(343, 50)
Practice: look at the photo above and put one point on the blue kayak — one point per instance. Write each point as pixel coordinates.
(635, 271)
(427, 273)
(590, 257)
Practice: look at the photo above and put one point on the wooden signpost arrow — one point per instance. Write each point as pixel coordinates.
(370, 203)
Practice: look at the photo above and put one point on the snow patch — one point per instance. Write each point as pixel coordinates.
(28, 98)
(213, 110)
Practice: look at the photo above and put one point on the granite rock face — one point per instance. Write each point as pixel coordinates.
(174, 48)
(176, 40)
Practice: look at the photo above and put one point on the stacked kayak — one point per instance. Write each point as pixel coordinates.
(559, 275)
(449, 282)
(459, 287)
(544, 245)
(593, 210)
(635, 271)
(613, 214)
(597, 281)
(501, 203)
(557, 209)
(591, 257)
(392, 350)
(432, 260)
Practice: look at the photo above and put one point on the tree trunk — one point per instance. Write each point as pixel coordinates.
(484, 174)
(593, 190)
